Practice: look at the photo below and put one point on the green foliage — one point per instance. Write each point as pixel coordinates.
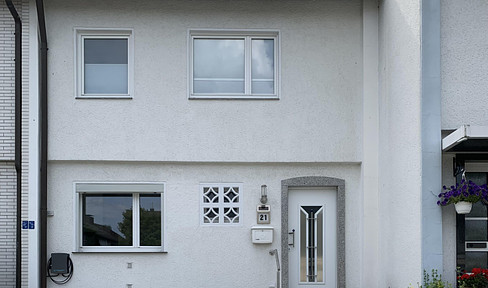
(150, 227)
(433, 281)
(126, 228)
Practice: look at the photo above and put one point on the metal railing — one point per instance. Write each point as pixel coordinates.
(275, 253)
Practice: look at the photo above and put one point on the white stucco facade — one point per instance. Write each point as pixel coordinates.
(201, 256)
(354, 103)
(319, 105)
(314, 129)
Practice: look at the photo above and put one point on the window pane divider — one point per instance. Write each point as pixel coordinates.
(135, 220)
(248, 59)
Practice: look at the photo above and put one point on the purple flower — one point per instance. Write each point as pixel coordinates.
(464, 191)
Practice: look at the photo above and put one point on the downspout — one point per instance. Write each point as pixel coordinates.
(43, 144)
(18, 139)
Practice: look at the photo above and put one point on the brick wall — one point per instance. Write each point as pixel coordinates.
(8, 176)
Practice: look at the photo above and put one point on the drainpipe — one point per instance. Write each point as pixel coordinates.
(43, 144)
(18, 138)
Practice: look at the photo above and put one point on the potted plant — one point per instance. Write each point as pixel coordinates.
(463, 195)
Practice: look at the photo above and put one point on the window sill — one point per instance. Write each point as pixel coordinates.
(104, 97)
(233, 97)
(120, 250)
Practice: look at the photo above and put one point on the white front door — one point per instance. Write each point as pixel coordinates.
(312, 237)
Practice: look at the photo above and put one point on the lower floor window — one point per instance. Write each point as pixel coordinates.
(120, 216)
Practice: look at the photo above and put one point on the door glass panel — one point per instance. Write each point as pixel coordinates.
(475, 230)
(320, 246)
(311, 237)
(303, 246)
(478, 210)
(476, 260)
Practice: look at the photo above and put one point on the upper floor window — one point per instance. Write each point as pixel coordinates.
(234, 64)
(104, 63)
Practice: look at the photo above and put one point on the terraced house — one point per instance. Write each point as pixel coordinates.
(241, 143)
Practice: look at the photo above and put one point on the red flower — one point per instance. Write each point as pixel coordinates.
(476, 271)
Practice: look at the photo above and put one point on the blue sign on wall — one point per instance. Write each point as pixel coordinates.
(28, 224)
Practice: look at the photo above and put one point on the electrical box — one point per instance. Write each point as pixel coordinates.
(262, 234)
(59, 263)
(263, 213)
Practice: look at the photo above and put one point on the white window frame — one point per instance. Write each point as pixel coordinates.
(247, 35)
(221, 204)
(102, 33)
(129, 188)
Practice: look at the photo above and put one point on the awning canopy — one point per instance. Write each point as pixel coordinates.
(472, 139)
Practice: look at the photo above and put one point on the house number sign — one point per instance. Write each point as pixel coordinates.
(263, 213)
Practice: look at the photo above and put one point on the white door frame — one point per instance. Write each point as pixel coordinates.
(315, 181)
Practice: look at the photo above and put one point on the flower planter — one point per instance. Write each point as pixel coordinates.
(463, 207)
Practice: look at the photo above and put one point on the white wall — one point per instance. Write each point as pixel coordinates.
(464, 57)
(197, 256)
(320, 105)
(400, 144)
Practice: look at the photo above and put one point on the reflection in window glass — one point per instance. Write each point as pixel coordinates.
(105, 66)
(150, 219)
(218, 66)
(478, 210)
(476, 260)
(262, 66)
(107, 220)
(475, 230)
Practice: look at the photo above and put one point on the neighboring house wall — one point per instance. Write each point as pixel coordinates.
(464, 71)
(464, 56)
(8, 178)
(400, 167)
(314, 129)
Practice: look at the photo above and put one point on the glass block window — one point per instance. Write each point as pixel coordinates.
(220, 203)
